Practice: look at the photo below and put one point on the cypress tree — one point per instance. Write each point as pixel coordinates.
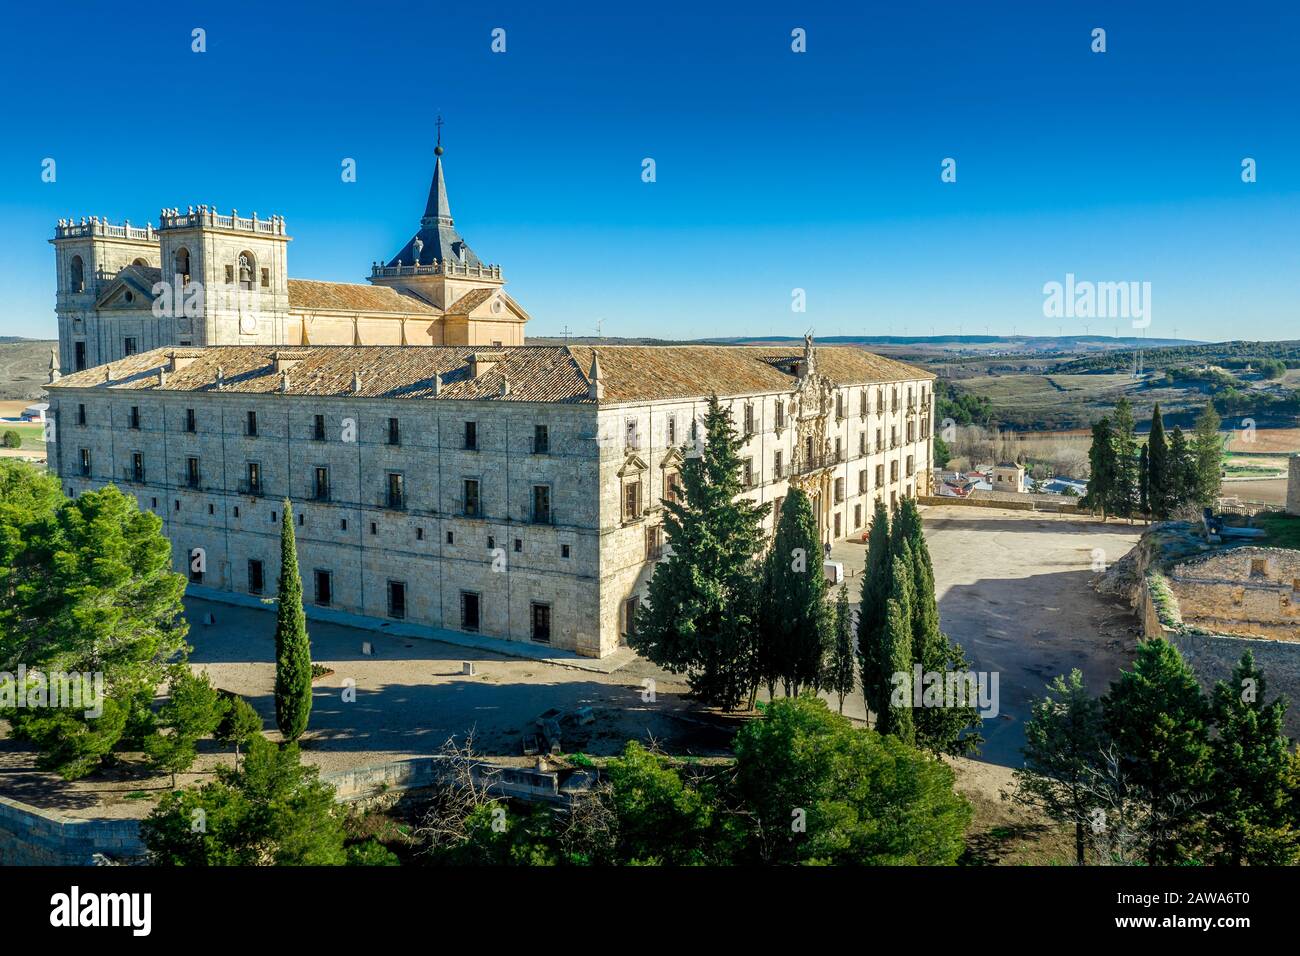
(896, 652)
(1124, 438)
(871, 613)
(1207, 456)
(841, 675)
(1101, 461)
(292, 645)
(1159, 486)
(702, 614)
(1182, 477)
(796, 625)
(1144, 482)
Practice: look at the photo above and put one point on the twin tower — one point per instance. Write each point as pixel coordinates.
(202, 278)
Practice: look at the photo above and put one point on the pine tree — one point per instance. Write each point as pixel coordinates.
(241, 724)
(193, 710)
(1101, 461)
(1064, 742)
(841, 670)
(1159, 484)
(796, 625)
(1124, 438)
(1251, 765)
(1207, 456)
(876, 581)
(1157, 718)
(896, 717)
(701, 616)
(292, 644)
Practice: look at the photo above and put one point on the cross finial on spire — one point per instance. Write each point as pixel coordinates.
(437, 150)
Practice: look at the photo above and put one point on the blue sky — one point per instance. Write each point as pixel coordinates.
(775, 170)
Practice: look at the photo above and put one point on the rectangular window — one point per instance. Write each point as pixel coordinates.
(910, 433)
(839, 449)
(839, 490)
(670, 431)
(254, 478)
(565, 551)
(880, 442)
(654, 542)
(778, 465)
(747, 473)
(910, 469)
(191, 421)
(862, 482)
(250, 428)
(469, 611)
(192, 472)
(862, 403)
(880, 475)
(519, 545)
(85, 462)
(749, 419)
(394, 432)
(230, 275)
(321, 484)
(79, 355)
(838, 531)
(780, 414)
(630, 440)
(81, 414)
(397, 600)
(541, 504)
(862, 444)
(396, 498)
(318, 428)
(137, 466)
(266, 278)
(135, 417)
(541, 440)
(256, 580)
(631, 500)
(129, 346)
(893, 471)
(857, 516)
(893, 436)
(628, 622)
(471, 436)
(471, 495)
(839, 404)
(196, 570)
(541, 623)
(324, 587)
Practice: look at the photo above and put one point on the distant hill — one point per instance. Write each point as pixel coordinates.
(24, 367)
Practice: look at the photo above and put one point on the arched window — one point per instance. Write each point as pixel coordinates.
(78, 275)
(181, 263)
(140, 262)
(247, 269)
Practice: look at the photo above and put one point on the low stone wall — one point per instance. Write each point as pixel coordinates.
(1029, 504)
(30, 836)
(364, 784)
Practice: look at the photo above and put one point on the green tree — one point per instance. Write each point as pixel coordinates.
(942, 453)
(193, 710)
(895, 717)
(12, 439)
(1102, 465)
(1064, 743)
(273, 811)
(1144, 482)
(1160, 479)
(820, 791)
(1157, 719)
(86, 587)
(701, 616)
(1249, 815)
(876, 580)
(795, 623)
(841, 671)
(292, 644)
(1207, 456)
(240, 724)
(1182, 471)
(1124, 490)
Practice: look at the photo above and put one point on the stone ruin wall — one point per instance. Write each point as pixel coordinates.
(1246, 592)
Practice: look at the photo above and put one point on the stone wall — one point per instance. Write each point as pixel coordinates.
(1246, 591)
(33, 837)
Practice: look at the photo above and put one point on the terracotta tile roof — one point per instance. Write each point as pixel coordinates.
(309, 295)
(536, 373)
(470, 301)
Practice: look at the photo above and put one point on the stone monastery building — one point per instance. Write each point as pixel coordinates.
(442, 472)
